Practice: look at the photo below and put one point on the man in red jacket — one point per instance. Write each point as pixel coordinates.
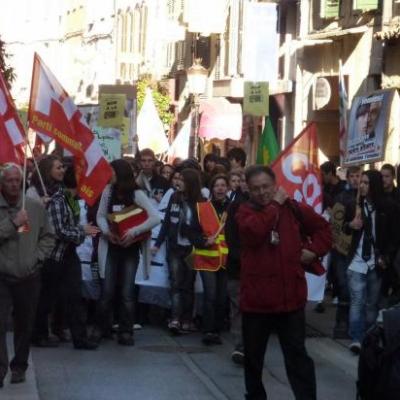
(277, 236)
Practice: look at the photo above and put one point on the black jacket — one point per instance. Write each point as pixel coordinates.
(232, 237)
(387, 233)
(174, 219)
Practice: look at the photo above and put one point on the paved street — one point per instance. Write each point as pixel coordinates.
(162, 367)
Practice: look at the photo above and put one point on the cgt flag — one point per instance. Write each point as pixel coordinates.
(53, 113)
(297, 169)
(12, 134)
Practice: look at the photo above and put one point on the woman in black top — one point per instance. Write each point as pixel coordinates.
(180, 211)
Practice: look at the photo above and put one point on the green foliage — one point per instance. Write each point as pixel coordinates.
(5, 69)
(160, 97)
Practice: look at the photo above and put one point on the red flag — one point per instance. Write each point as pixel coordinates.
(53, 113)
(297, 169)
(12, 134)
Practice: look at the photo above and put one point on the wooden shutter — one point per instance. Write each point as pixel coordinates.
(366, 5)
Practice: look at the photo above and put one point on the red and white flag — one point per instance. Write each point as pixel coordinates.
(53, 113)
(12, 133)
(297, 169)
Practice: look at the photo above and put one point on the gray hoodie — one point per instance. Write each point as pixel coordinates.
(22, 254)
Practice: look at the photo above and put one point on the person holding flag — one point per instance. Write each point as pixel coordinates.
(22, 256)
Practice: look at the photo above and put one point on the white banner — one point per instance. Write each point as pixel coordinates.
(260, 42)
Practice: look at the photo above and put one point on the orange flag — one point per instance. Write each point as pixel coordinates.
(53, 113)
(297, 169)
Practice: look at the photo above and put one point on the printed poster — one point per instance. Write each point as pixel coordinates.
(256, 99)
(112, 109)
(368, 125)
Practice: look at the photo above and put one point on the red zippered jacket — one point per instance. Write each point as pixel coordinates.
(272, 278)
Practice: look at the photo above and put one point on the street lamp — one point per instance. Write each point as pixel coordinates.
(197, 81)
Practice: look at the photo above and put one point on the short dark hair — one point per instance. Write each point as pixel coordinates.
(254, 170)
(328, 167)
(354, 169)
(224, 162)
(237, 154)
(389, 167)
(147, 152)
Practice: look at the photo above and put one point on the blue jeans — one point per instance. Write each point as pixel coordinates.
(121, 267)
(364, 296)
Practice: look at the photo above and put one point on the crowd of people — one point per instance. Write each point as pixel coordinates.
(249, 243)
(364, 266)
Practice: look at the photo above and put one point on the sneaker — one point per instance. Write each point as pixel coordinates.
(174, 327)
(126, 339)
(319, 308)
(237, 357)
(137, 327)
(17, 376)
(335, 301)
(189, 327)
(355, 348)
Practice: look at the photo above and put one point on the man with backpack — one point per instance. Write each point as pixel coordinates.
(277, 236)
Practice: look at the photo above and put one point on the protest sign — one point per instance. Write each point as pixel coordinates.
(367, 132)
(256, 98)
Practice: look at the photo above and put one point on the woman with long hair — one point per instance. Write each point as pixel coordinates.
(375, 239)
(119, 256)
(210, 252)
(51, 170)
(180, 211)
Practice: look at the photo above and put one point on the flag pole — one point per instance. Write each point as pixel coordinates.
(24, 178)
(37, 169)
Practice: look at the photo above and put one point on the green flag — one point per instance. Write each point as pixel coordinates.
(268, 148)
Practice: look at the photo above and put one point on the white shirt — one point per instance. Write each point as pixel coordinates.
(358, 264)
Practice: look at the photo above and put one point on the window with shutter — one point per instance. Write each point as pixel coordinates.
(366, 5)
(330, 8)
(180, 55)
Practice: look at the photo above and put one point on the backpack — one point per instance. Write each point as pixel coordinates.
(379, 362)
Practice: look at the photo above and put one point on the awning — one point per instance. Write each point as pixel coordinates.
(337, 33)
(220, 119)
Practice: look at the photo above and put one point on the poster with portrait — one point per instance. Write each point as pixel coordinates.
(367, 130)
